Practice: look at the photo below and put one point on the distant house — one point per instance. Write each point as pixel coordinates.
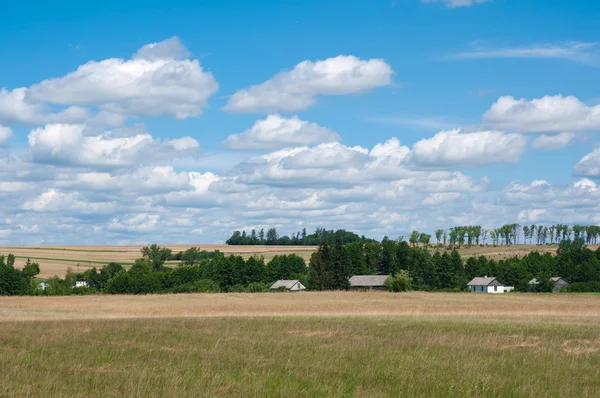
(289, 285)
(43, 285)
(81, 284)
(559, 283)
(486, 285)
(368, 282)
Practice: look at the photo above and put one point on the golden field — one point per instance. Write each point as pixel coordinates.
(301, 345)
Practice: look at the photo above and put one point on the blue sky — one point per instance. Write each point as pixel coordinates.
(376, 116)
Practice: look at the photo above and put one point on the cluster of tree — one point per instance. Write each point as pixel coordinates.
(320, 236)
(332, 264)
(15, 282)
(198, 271)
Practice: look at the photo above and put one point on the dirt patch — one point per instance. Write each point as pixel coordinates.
(311, 333)
(581, 346)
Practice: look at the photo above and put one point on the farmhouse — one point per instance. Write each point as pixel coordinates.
(559, 283)
(81, 284)
(486, 285)
(288, 285)
(368, 282)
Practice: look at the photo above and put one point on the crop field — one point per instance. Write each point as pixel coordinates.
(302, 345)
(55, 260)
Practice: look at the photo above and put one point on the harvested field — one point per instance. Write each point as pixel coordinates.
(303, 345)
(55, 260)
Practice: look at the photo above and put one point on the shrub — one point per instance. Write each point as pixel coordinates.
(257, 287)
(400, 282)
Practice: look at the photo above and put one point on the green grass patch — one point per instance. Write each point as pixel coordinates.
(299, 357)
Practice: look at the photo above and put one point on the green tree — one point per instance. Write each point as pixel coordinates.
(31, 269)
(156, 256)
(399, 282)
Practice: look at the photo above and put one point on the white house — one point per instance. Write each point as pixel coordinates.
(289, 285)
(81, 284)
(486, 285)
(43, 285)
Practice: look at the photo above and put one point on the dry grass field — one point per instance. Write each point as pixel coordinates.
(301, 345)
(55, 260)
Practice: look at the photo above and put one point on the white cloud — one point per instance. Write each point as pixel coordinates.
(135, 223)
(66, 144)
(276, 132)
(54, 200)
(589, 165)
(456, 3)
(547, 114)
(154, 82)
(14, 108)
(583, 53)
(5, 135)
(456, 149)
(554, 141)
(298, 88)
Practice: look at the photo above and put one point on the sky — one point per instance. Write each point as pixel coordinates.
(141, 121)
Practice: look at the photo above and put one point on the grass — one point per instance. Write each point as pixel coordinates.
(301, 345)
(70, 260)
(298, 356)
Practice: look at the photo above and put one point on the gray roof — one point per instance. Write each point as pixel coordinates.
(485, 281)
(554, 279)
(368, 280)
(288, 284)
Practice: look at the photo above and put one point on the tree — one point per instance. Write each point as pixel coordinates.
(190, 256)
(399, 282)
(156, 256)
(438, 235)
(272, 236)
(424, 239)
(10, 260)
(31, 269)
(261, 236)
(414, 237)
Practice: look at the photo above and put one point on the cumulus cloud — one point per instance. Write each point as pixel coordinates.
(5, 135)
(456, 3)
(54, 200)
(298, 89)
(553, 141)
(456, 149)
(66, 144)
(589, 165)
(276, 132)
(156, 81)
(547, 114)
(135, 223)
(15, 109)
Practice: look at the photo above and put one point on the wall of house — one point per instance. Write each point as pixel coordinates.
(498, 289)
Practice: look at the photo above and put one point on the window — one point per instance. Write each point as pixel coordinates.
(298, 285)
(495, 288)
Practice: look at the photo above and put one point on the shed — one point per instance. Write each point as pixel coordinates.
(289, 285)
(486, 284)
(81, 284)
(369, 282)
(559, 283)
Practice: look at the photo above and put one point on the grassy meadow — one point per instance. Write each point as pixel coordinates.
(305, 345)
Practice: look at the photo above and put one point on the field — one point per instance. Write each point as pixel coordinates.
(55, 260)
(304, 345)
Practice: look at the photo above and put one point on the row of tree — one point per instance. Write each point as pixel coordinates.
(329, 269)
(299, 238)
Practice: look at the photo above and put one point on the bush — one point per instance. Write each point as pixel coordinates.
(257, 287)
(199, 286)
(583, 287)
(400, 282)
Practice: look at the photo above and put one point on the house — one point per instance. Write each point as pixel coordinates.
(486, 285)
(43, 285)
(559, 283)
(368, 282)
(288, 285)
(81, 284)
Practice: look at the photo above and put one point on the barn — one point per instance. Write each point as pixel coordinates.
(486, 285)
(368, 282)
(559, 283)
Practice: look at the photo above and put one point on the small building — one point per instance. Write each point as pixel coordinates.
(288, 285)
(81, 284)
(368, 282)
(486, 285)
(43, 285)
(559, 283)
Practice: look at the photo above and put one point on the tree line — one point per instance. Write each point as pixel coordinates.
(329, 269)
(299, 238)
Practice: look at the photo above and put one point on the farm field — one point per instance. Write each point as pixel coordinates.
(313, 344)
(55, 260)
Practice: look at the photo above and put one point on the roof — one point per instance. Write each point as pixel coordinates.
(288, 284)
(485, 281)
(554, 279)
(368, 280)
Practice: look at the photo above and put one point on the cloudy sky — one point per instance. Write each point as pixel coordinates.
(144, 123)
